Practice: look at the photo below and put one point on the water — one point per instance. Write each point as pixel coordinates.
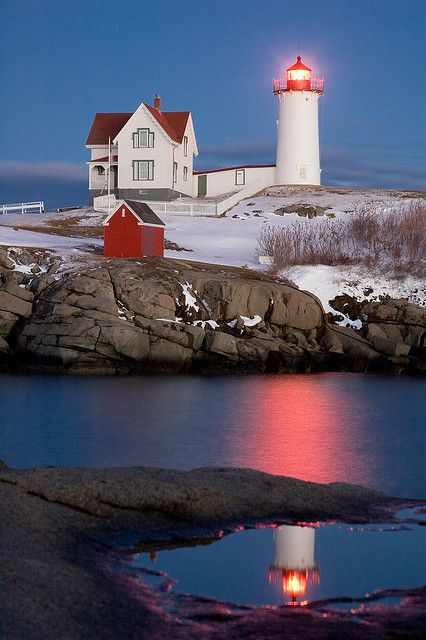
(290, 563)
(322, 427)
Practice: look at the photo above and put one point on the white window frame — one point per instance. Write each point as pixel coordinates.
(185, 146)
(240, 177)
(143, 170)
(185, 174)
(101, 170)
(143, 138)
(175, 172)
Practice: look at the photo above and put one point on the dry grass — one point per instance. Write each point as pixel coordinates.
(371, 236)
(69, 227)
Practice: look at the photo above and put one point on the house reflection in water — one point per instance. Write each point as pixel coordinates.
(294, 566)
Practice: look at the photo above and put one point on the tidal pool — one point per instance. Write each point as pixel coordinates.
(293, 564)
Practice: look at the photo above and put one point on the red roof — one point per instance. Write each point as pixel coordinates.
(173, 122)
(299, 65)
(105, 159)
(108, 125)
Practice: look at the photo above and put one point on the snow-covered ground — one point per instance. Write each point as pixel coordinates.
(232, 239)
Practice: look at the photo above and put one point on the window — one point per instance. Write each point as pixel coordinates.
(143, 169)
(143, 138)
(101, 171)
(240, 176)
(185, 174)
(175, 171)
(185, 145)
(302, 173)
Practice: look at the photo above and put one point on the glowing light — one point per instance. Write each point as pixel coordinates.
(298, 74)
(294, 583)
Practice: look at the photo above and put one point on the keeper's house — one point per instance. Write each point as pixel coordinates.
(133, 230)
(151, 153)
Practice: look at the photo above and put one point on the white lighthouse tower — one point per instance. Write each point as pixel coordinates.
(294, 565)
(298, 158)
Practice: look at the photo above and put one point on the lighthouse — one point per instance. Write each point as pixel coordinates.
(298, 157)
(294, 564)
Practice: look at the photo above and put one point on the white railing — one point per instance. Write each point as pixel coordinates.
(22, 207)
(104, 203)
(184, 208)
(235, 198)
(190, 207)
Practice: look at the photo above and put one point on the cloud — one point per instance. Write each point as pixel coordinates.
(64, 171)
(361, 170)
(368, 166)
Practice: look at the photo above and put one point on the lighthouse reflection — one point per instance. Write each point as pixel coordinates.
(294, 567)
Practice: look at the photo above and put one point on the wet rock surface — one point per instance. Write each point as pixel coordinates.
(62, 575)
(157, 315)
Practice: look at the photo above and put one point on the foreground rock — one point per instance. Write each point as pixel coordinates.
(157, 315)
(61, 577)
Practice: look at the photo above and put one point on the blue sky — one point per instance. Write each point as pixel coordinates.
(61, 61)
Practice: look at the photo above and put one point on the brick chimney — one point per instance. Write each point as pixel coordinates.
(157, 102)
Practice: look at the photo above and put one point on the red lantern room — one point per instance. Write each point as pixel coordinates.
(299, 77)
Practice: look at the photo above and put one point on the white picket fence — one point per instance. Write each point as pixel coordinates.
(189, 206)
(22, 207)
(192, 208)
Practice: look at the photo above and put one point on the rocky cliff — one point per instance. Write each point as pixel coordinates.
(159, 315)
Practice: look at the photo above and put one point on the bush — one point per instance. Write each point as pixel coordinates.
(371, 236)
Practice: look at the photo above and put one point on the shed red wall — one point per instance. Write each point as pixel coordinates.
(123, 236)
(153, 241)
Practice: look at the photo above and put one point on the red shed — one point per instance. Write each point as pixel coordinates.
(133, 230)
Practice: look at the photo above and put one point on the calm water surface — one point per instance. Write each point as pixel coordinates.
(291, 563)
(322, 427)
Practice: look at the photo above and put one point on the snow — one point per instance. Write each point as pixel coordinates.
(190, 300)
(251, 322)
(327, 282)
(68, 250)
(232, 240)
(202, 323)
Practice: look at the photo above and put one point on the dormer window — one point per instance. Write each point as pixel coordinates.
(143, 139)
(185, 145)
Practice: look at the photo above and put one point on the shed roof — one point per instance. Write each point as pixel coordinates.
(108, 125)
(142, 211)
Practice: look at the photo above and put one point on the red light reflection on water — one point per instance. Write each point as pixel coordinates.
(300, 426)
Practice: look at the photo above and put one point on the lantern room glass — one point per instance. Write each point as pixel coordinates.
(298, 74)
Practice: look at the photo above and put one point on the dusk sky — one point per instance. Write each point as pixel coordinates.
(61, 61)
